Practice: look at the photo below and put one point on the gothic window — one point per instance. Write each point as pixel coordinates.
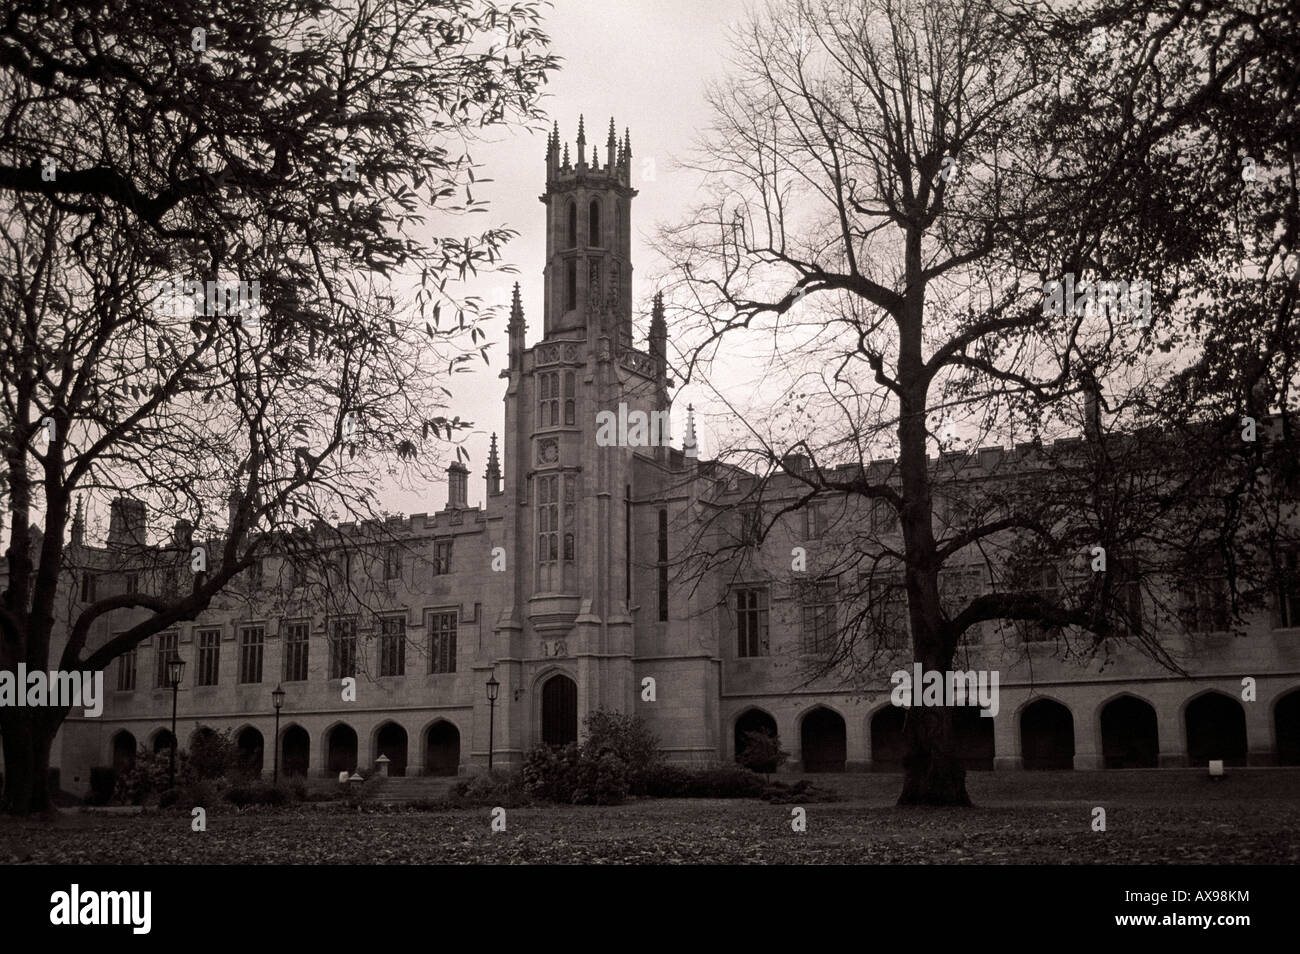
(593, 223)
(751, 621)
(442, 558)
(209, 657)
(251, 641)
(548, 399)
(547, 519)
(392, 646)
(573, 225)
(166, 646)
(570, 285)
(343, 649)
(392, 564)
(295, 652)
(568, 398)
(88, 588)
(442, 642)
(819, 603)
(126, 671)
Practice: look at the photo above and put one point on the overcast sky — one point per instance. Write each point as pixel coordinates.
(646, 63)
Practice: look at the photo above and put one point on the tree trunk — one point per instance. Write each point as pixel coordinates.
(933, 774)
(27, 744)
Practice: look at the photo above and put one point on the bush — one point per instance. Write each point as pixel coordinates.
(213, 754)
(103, 783)
(550, 772)
(762, 752)
(801, 792)
(726, 781)
(148, 777)
(169, 798)
(627, 738)
(489, 790)
(241, 796)
(601, 780)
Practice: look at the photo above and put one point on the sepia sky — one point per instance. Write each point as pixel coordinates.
(646, 63)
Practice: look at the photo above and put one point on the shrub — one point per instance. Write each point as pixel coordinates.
(213, 754)
(103, 783)
(668, 781)
(489, 790)
(169, 798)
(148, 777)
(627, 738)
(600, 780)
(550, 772)
(800, 793)
(726, 781)
(762, 752)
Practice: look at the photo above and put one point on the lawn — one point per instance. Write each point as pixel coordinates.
(1021, 817)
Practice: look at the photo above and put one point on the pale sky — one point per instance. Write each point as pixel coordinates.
(646, 63)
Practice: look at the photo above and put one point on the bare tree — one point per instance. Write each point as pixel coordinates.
(902, 191)
(160, 155)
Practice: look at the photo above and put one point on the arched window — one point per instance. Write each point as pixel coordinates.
(568, 398)
(570, 285)
(573, 225)
(548, 521)
(593, 223)
(548, 399)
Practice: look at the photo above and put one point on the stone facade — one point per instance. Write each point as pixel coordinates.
(560, 588)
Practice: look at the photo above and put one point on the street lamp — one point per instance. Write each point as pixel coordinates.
(493, 687)
(175, 672)
(277, 699)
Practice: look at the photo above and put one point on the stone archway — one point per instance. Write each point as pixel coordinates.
(1128, 734)
(341, 750)
(442, 749)
(1286, 723)
(390, 741)
(823, 741)
(1047, 735)
(124, 749)
(250, 746)
(754, 720)
(1216, 729)
(295, 751)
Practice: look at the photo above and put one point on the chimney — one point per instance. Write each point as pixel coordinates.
(1091, 408)
(457, 486)
(126, 522)
(183, 535)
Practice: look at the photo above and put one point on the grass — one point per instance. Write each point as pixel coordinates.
(1020, 817)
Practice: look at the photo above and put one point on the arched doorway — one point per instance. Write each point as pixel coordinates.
(442, 749)
(822, 741)
(341, 750)
(124, 746)
(163, 741)
(1047, 735)
(1286, 722)
(754, 720)
(973, 737)
(391, 741)
(888, 744)
(295, 751)
(1128, 734)
(1216, 729)
(249, 743)
(559, 711)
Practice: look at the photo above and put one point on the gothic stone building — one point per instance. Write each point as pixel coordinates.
(560, 588)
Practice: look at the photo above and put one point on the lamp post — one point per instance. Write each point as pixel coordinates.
(277, 699)
(175, 672)
(493, 687)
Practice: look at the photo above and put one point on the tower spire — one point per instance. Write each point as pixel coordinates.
(689, 447)
(611, 149)
(582, 143)
(78, 525)
(493, 468)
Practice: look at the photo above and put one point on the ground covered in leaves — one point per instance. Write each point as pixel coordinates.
(1152, 817)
